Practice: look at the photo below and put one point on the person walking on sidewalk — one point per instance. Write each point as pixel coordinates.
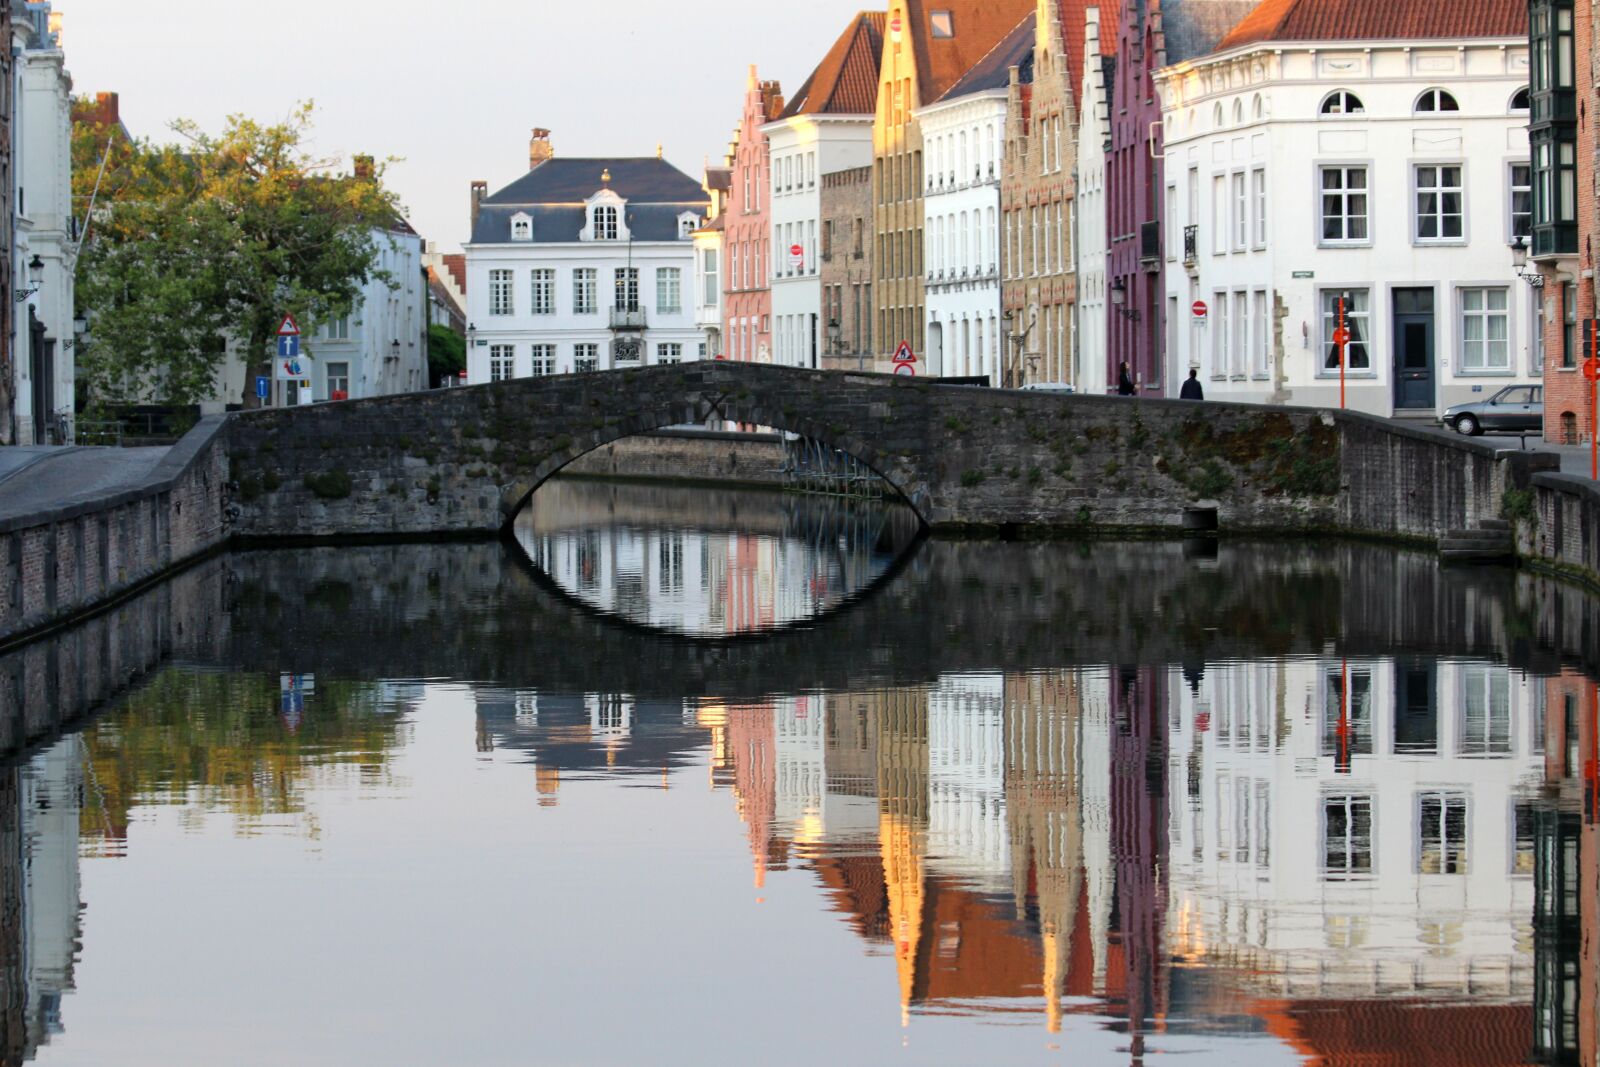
(1192, 389)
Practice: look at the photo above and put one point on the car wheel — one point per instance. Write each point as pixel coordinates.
(1467, 426)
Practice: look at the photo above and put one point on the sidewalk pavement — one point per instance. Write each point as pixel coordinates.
(37, 479)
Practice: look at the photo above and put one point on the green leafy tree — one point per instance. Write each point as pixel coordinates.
(213, 238)
(447, 353)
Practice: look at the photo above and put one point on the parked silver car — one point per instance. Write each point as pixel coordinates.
(1517, 408)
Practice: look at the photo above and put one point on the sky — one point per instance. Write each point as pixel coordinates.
(452, 89)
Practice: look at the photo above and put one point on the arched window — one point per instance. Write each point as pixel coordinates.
(605, 223)
(1519, 99)
(1436, 100)
(1258, 109)
(1238, 113)
(1342, 102)
(521, 228)
(1216, 117)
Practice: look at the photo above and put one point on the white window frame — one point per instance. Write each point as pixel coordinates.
(669, 290)
(1220, 228)
(1361, 328)
(606, 222)
(502, 362)
(338, 373)
(1485, 314)
(1348, 872)
(543, 362)
(1439, 191)
(586, 291)
(1258, 213)
(668, 352)
(1342, 98)
(1455, 810)
(1512, 189)
(1239, 188)
(625, 282)
(543, 291)
(1344, 194)
(521, 228)
(502, 292)
(585, 352)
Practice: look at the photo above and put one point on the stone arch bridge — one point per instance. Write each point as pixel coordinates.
(464, 461)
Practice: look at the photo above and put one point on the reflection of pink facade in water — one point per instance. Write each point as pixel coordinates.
(747, 250)
(1139, 840)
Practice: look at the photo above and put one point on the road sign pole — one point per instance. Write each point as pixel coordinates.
(1594, 399)
(1343, 347)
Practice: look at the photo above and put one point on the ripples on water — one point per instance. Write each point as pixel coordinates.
(524, 803)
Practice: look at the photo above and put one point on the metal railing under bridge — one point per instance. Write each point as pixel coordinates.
(809, 466)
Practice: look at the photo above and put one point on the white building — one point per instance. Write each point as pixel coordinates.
(581, 265)
(1377, 843)
(380, 348)
(826, 128)
(963, 136)
(44, 256)
(1094, 133)
(1373, 165)
(709, 242)
(967, 830)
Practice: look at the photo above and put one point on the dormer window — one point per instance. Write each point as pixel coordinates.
(605, 218)
(1436, 100)
(605, 223)
(521, 227)
(942, 25)
(688, 222)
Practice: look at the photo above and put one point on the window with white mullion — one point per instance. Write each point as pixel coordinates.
(1485, 330)
(1344, 205)
(502, 362)
(1442, 833)
(1241, 213)
(1439, 203)
(544, 291)
(1346, 837)
(502, 299)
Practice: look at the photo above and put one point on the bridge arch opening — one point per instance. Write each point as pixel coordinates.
(821, 453)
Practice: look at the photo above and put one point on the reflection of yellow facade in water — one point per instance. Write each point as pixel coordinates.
(903, 825)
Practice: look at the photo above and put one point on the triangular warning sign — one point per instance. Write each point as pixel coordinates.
(289, 328)
(903, 354)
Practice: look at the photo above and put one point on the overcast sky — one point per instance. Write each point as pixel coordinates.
(453, 89)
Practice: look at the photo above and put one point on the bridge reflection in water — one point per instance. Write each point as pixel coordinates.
(739, 563)
(1372, 840)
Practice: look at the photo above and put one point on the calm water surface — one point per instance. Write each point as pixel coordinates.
(678, 777)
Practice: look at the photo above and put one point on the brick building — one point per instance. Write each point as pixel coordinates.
(747, 229)
(847, 269)
(1037, 205)
(1562, 73)
(926, 50)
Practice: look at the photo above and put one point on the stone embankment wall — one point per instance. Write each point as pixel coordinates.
(688, 456)
(1558, 526)
(85, 552)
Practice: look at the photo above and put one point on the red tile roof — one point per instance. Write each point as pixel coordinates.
(979, 25)
(1402, 1032)
(456, 264)
(1377, 20)
(846, 81)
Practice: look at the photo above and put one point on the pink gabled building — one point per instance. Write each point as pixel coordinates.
(747, 226)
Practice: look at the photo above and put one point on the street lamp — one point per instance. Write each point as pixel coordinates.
(80, 332)
(1119, 297)
(1009, 378)
(1525, 270)
(35, 278)
(394, 349)
(834, 334)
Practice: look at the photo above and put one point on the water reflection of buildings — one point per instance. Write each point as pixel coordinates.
(1389, 863)
(775, 562)
(40, 908)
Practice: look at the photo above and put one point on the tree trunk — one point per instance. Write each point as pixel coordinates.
(261, 367)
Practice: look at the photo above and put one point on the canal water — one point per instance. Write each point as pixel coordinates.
(693, 777)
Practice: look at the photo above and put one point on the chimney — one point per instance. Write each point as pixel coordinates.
(539, 148)
(366, 170)
(479, 191)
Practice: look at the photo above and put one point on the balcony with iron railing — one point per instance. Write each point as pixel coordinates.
(625, 317)
(1191, 245)
(1150, 245)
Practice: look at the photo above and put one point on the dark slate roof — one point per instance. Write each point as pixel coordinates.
(561, 225)
(1378, 20)
(1193, 27)
(553, 194)
(993, 71)
(573, 181)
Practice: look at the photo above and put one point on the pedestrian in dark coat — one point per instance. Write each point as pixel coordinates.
(1192, 389)
(1125, 385)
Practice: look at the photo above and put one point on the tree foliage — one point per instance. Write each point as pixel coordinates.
(210, 239)
(447, 353)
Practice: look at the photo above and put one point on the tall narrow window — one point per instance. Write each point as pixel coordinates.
(1219, 214)
(1439, 206)
(544, 291)
(1346, 837)
(502, 362)
(1485, 331)
(1442, 833)
(626, 283)
(1241, 214)
(1344, 204)
(585, 299)
(1259, 341)
(501, 287)
(669, 290)
(1355, 321)
(1258, 192)
(1569, 325)
(1486, 714)
(1521, 200)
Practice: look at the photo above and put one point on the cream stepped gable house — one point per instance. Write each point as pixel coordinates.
(1371, 152)
(582, 265)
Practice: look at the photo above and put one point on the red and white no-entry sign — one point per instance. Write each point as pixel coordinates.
(1200, 309)
(895, 26)
(797, 254)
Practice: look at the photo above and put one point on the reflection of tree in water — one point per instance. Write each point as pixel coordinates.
(219, 741)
